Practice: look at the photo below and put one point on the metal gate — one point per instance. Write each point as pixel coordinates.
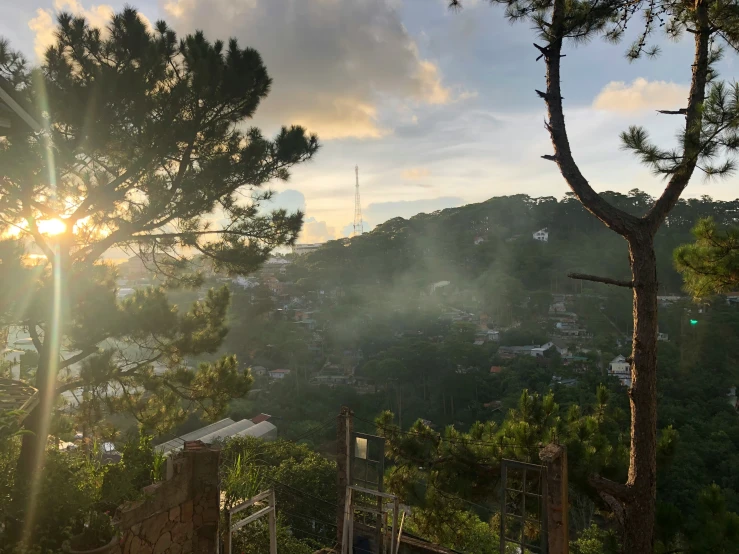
(367, 491)
(523, 520)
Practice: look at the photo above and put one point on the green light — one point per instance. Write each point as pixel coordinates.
(694, 322)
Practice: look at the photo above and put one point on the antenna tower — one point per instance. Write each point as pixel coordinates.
(358, 224)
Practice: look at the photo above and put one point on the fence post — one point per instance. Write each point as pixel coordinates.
(227, 533)
(344, 429)
(554, 457)
(272, 523)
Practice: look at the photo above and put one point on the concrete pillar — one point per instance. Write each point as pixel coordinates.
(554, 458)
(344, 429)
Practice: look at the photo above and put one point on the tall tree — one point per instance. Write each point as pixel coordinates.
(144, 148)
(710, 132)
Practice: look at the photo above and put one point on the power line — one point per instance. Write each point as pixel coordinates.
(301, 492)
(319, 427)
(307, 518)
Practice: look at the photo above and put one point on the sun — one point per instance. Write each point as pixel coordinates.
(51, 227)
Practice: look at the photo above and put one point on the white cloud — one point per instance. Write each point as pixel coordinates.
(415, 173)
(316, 231)
(641, 95)
(44, 24)
(335, 64)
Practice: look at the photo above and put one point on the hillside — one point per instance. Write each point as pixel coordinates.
(495, 237)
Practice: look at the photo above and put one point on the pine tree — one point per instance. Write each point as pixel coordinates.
(144, 148)
(710, 265)
(707, 143)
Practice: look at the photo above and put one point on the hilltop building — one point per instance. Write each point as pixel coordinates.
(300, 249)
(542, 235)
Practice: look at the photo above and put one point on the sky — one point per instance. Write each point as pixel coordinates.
(436, 107)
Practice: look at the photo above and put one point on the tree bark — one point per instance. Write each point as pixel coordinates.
(639, 506)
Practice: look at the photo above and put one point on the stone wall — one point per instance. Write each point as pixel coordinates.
(179, 515)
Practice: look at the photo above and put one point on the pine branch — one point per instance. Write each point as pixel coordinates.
(597, 279)
(681, 111)
(693, 124)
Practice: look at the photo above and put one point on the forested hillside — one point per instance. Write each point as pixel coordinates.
(442, 246)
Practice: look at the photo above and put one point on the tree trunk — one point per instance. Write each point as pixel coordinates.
(639, 507)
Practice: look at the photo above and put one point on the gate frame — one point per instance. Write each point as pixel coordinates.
(542, 471)
(270, 509)
(348, 545)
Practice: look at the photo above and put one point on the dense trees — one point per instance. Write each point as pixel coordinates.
(142, 148)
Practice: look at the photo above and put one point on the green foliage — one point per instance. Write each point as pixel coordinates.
(79, 494)
(710, 264)
(595, 540)
(98, 531)
(254, 539)
(304, 484)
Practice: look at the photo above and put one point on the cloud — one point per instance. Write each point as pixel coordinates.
(415, 173)
(316, 231)
(335, 64)
(289, 199)
(313, 229)
(640, 95)
(44, 24)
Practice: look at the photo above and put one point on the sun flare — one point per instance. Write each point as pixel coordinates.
(51, 227)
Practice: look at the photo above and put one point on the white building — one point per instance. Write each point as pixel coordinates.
(621, 369)
(300, 249)
(542, 235)
(279, 373)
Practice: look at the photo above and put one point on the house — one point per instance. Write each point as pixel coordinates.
(495, 369)
(479, 342)
(557, 308)
(557, 380)
(538, 352)
(279, 373)
(621, 368)
(258, 371)
(245, 282)
(479, 240)
(511, 351)
(542, 235)
(662, 337)
(300, 249)
(438, 285)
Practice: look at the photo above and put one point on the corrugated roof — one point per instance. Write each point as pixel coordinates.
(227, 432)
(207, 430)
(258, 430)
(178, 442)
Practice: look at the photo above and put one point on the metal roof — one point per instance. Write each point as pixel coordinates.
(258, 430)
(227, 432)
(178, 442)
(207, 430)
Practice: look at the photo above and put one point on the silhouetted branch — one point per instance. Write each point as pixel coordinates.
(597, 279)
(550, 158)
(681, 111)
